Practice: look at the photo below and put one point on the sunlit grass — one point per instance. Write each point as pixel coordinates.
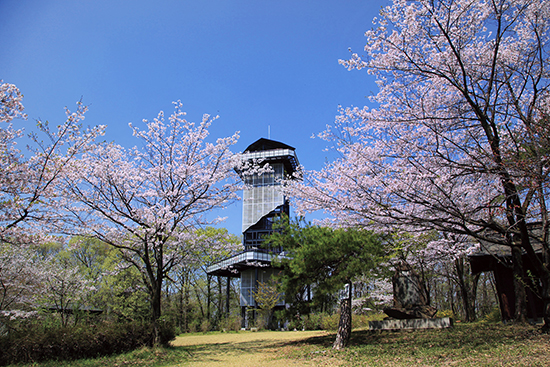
(479, 344)
(463, 345)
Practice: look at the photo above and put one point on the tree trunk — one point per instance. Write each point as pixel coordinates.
(208, 295)
(180, 306)
(519, 286)
(425, 286)
(468, 290)
(199, 301)
(344, 326)
(156, 308)
(220, 301)
(187, 301)
(545, 290)
(545, 266)
(227, 298)
(451, 297)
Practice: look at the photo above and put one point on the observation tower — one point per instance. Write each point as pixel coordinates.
(263, 201)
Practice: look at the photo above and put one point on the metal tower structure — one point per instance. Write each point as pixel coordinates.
(263, 201)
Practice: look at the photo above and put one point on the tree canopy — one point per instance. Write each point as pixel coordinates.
(148, 201)
(322, 261)
(456, 141)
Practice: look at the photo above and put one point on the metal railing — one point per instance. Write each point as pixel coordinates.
(243, 257)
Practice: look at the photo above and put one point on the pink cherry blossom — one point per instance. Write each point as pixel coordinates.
(149, 200)
(457, 139)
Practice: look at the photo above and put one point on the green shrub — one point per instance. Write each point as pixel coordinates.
(445, 313)
(296, 323)
(492, 317)
(38, 343)
(280, 318)
(166, 332)
(205, 326)
(262, 319)
(330, 322)
(313, 321)
(194, 326)
(359, 321)
(231, 323)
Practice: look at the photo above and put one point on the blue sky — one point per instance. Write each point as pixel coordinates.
(259, 65)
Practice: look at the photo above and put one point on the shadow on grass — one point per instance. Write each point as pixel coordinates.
(461, 336)
(465, 344)
(218, 352)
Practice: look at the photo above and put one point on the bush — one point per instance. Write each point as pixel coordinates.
(280, 318)
(38, 343)
(262, 319)
(205, 326)
(330, 322)
(231, 323)
(325, 321)
(492, 317)
(194, 326)
(360, 321)
(446, 313)
(317, 321)
(166, 332)
(313, 322)
(296, 323)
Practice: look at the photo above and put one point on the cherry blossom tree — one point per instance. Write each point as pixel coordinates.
(10, 102)
(459, 121)
(34, 277)
(29, 195)
(147, 201)
(20, 277)
(209, 246)
(65, 287)
(439, 256)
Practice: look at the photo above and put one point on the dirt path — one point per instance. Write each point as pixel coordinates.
(243, 349)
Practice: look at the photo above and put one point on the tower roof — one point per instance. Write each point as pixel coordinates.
(271, 151)
(266, 144)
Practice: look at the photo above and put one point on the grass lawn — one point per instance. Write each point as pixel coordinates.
(479, 344)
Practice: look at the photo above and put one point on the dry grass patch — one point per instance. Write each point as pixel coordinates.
(244, 348)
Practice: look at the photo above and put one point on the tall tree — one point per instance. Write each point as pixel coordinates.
(210, 245)
(148, 200)
(327, 260)
(65, 287)
(267, 296)
(440, 255)
(20, 277)
(29, 194)
(464, 87)
(118, 287)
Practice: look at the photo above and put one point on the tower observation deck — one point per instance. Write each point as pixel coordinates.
(263, 201)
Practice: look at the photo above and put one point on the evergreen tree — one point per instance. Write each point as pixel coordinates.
(323, 261)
